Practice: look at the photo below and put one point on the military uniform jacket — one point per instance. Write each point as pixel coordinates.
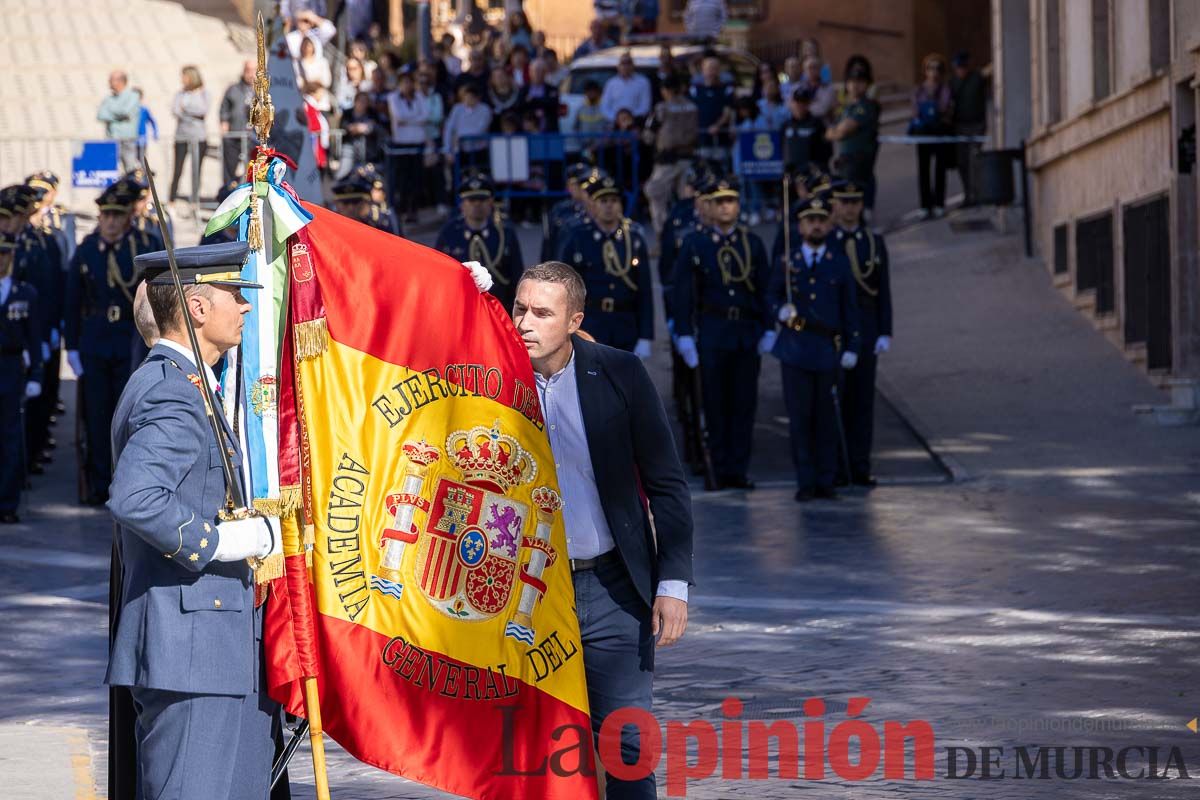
(98, 319)
(721, 287)
(186, 622)
(679, 224)
(615, 268)
(382, 218)
(37, 263)
(824, 294)
(562, 216)
(495, 246)
(868, 258)
(20, 328)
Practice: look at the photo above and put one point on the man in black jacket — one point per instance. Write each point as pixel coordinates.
(612, 446)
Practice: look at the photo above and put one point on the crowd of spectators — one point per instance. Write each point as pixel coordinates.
(418, 119)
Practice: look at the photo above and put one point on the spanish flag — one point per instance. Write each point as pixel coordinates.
(427, 585)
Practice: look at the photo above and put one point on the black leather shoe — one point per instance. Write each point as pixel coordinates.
(802, 496)
(737, 482)
(9, 518)
(865, 480)
(826, 493)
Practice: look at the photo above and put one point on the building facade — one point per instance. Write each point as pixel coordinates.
(1103, 94)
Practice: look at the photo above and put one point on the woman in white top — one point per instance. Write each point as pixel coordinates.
(189, 107)
(313, 66)
(354, 80)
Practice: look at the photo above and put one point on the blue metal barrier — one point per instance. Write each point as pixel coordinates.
(532, 165)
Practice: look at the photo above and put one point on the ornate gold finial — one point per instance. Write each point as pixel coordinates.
(262, 111)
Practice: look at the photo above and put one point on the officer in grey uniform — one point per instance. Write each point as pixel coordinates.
(188, 641)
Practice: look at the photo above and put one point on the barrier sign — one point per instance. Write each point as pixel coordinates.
(96, 165)
(761, 155)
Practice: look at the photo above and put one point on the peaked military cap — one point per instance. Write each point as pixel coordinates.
(42, 182)
(219, 264)
(813, 207)
(725, 187)
(476, 185)
(846, 190)
(578, 171)
(137, 176)
(372, 176)
(17, 199)
(119, 196)
(602, 186)
(354, 187)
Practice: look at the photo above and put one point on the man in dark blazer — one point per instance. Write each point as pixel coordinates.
(612, 447)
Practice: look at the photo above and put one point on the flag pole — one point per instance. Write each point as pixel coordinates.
(262, 116)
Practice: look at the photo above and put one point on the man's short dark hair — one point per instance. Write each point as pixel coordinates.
(672, 83)
(164, 303)
(591, 86)
(562, 274)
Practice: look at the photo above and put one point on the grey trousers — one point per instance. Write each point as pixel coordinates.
(203, 746)
(618, 658)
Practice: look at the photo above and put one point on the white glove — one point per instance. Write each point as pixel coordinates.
(767, 343)
(75, 362)
(642, 349)
(239, 539)
(686, 345)
(849, 360)
(45, 352)
(54, 338)
(883, 344)
(786, 312)
(33, 389)
(483, 278)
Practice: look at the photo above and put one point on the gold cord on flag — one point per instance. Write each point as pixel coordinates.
(312, 338)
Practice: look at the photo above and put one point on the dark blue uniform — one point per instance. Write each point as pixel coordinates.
(37, 263)
(868, 259)
(99, 324)
(495, 246)
(719, 296)
(615, 266)
(381, 217)
(823, 294)
(680, 222)
(20, 327)
(562, 216)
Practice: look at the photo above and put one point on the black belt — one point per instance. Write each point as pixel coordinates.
(608, 305)
(799, 324)
(602, 560)
(732, 313)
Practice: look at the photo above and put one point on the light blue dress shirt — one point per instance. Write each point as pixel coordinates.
(588, 535)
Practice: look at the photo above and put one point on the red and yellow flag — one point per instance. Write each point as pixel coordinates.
(437, 612)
